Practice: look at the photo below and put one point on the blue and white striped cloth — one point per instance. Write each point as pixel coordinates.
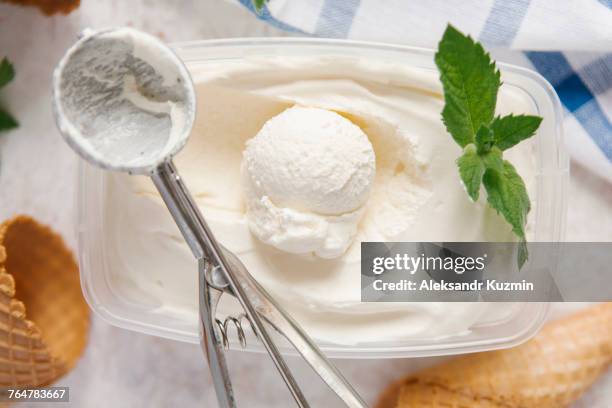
(568, 42)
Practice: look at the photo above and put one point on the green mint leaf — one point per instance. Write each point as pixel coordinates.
(470, 81)
(259, 4)
(484, 139)
(7, 122)
(471, 170)
(507, 194)
(7, 72)
(510, 130)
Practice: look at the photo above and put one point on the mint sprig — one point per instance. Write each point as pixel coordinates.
(471, 82)
(7, 73)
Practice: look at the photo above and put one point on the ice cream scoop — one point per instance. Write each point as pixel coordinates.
(124, 101)
(307, 175)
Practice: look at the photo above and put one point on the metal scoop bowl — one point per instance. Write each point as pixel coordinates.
(124, 101)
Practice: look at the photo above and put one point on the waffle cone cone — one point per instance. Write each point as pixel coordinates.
(44, 319)
(551, 370)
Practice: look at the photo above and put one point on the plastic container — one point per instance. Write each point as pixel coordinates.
(551, 197)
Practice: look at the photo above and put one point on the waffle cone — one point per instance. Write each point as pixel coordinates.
(49, 7)
(43, 317)
(551, 370)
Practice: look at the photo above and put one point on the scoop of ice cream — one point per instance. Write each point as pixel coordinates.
(307, 175)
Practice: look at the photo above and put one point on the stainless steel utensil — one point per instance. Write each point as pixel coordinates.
(124, 101)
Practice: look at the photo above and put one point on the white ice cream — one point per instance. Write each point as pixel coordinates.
(307, 175)
(416, 196)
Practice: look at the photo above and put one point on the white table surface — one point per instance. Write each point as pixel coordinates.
(37, 176)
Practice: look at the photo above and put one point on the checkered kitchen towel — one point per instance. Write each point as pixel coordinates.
(568, 41)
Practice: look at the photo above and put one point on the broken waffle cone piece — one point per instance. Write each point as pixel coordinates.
(44, 319)
(551, 370)
(49, 7)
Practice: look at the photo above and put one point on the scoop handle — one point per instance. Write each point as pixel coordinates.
(203, 244)
(178, 204)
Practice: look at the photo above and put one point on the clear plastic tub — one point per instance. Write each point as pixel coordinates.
(551, 195)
